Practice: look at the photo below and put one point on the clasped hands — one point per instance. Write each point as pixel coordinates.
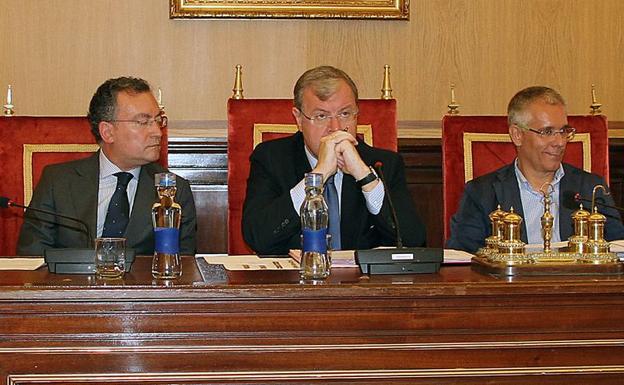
(337, 151)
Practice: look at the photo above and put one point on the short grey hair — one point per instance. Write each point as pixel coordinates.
(324, 82)
(520, 101)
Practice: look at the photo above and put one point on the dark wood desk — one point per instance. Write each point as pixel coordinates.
(455, 327)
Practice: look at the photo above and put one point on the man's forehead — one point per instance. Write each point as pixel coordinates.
(312, 95)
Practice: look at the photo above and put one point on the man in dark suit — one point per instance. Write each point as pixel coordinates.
(538, 126)
(325, 108)
(126, 122)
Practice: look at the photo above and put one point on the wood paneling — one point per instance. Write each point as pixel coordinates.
(57, 52)
(264, 327)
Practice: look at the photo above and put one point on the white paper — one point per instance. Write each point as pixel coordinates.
(251, 262)
(21, 263)
(457, 256)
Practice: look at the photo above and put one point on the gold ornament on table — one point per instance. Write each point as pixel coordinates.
(547, 221)
(491, 243)
(597, 249)
(587, 252)
(511, 247)
(8, 107)
(580, 220)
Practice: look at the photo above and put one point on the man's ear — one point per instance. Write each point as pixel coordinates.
(107, 132)
(516, 135)
(297, 114)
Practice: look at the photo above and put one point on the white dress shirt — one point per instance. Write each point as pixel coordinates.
(108, 183)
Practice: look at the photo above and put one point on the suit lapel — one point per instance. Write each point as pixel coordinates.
(350, 198)
(83, 191)
(508, 194)
(570, 182)
(302, 166)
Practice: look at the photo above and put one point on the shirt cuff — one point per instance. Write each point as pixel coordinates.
(297, 195)
(374, 198)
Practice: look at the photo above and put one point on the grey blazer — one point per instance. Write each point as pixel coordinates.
(71, 189)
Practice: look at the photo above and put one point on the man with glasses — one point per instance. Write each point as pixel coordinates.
(112, 191)
(326, 109)
(538, 127)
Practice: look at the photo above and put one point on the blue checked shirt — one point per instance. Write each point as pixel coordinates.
(533, 206)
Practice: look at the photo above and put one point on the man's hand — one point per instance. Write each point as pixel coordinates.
(349, 160)
(328, 155)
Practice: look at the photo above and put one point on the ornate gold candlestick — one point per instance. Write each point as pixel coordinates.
(547, 219)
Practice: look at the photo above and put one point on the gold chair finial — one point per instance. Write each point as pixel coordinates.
(453, 106)
(159, 100)
(595, 106)
(238, 83)
(386, 88)
(8, 107)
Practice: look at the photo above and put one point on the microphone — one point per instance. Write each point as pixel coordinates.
(570, 199)
(67, 260)
(399, 259)
(6, 203)
(399, 240)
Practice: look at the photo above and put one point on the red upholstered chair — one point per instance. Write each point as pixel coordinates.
(476, 145)
(27, 145)
(252, 121)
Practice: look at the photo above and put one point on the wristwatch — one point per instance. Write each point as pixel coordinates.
(372, 176)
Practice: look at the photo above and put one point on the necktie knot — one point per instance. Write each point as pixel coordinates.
(123, 178)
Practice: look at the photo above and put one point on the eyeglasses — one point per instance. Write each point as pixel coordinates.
(321, 119)
(160, 120)
(566, 131)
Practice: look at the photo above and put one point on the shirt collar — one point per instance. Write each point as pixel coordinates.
(556, 178)
(108, 168)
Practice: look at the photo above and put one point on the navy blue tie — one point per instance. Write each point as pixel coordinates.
(118, 213)
(331, 197)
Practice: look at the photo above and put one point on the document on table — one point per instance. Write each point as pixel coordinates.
(21, 263)
(339, 258)
(251, 262)
(452, 256)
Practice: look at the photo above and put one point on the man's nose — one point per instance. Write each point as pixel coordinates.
(155, 129)
(560, 140)
(334, 124)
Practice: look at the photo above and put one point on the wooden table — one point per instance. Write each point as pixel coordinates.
(264, 327)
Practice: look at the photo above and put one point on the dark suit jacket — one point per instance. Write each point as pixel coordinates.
(71, 189)
(272, 226)
(471, 224)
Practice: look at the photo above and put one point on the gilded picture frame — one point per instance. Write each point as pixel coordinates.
(306, 9)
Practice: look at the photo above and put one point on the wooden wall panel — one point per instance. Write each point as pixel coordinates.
(56, 52)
